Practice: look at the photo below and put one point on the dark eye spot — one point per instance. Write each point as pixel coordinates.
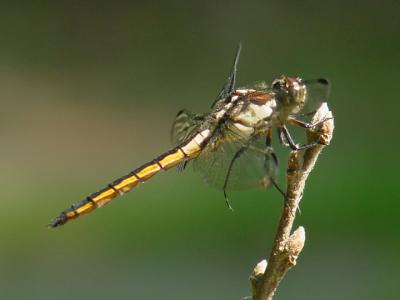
(323, 81)
(277, 86)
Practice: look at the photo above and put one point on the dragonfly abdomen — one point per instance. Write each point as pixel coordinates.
(186, 151)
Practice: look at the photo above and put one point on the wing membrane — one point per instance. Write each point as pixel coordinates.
(230, 83)
(249, 165)
(317, 92)
(186, 123)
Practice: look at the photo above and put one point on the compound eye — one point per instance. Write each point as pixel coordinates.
(277, 85)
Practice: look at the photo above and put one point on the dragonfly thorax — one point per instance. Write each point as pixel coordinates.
(248, 111)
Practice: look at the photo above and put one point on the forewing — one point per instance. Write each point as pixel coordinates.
(317, 92)
(230, 83)
(253, 166)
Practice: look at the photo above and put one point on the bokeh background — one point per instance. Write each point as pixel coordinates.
(88, 91)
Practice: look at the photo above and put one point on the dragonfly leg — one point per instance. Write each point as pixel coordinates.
(227, 201)
(269, 153)
(287, 136)
(235, 157)
(275, 184)
(269, 150)
(268, 139)
(306, 124)
(182, 166)
(310, 113)
(282, 139)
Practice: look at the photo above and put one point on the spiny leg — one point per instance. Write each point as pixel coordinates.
(182, 166)
(268, 139)
(306, 114)
(286, 134)
(268, 143)
(282, 138)
(275, 184)
(235, 157)
(304, 124)
(269, 151)
(270, 154)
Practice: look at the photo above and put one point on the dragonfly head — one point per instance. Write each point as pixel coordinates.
(290, 93)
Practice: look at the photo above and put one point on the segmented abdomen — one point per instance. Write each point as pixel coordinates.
(186, 151)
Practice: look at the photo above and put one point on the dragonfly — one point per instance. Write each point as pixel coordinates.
(231, 146)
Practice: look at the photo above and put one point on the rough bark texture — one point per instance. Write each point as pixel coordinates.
(287, 246)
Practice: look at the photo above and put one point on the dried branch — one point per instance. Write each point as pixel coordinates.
(287, 247)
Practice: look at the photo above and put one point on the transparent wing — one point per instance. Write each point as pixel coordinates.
(317, 92)
(237, 165)
(185, 124)
(229, 86)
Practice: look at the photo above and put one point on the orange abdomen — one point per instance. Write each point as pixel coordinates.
(184, 152)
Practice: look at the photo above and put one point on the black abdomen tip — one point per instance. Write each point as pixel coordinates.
(60, 220)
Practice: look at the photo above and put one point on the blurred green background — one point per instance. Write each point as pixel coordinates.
(88, 91)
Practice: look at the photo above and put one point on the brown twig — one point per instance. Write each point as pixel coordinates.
(287, 247)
